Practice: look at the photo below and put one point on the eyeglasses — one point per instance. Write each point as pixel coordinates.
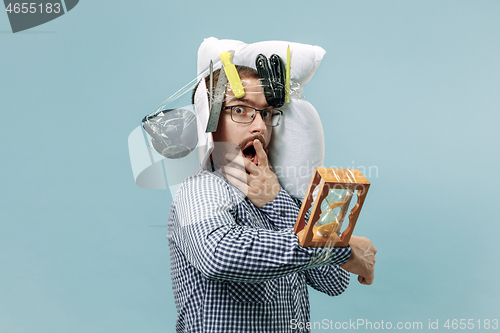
(246, 114)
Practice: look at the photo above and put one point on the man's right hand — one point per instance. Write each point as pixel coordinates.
(362, 259)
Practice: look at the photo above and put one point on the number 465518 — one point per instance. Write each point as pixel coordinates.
(33, 8)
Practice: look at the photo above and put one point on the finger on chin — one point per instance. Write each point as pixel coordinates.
(243, 187)
(236, 173)
(234, 165)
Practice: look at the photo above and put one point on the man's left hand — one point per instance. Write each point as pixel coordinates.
(362, 259)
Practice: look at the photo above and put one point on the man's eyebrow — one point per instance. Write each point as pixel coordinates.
(243, 99)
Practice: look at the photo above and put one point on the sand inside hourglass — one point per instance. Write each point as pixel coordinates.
(333, 211)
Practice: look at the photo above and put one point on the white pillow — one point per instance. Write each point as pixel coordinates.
(297, 145)
(304, 58)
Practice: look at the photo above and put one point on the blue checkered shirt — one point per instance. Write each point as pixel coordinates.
(237, 268)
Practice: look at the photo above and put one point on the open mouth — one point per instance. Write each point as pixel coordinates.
(250, 153)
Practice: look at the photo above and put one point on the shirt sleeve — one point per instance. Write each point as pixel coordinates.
(331, 279)
(203, 225)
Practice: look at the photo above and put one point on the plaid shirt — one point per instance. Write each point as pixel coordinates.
(238, 268)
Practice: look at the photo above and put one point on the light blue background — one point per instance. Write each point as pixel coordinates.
(410, 87)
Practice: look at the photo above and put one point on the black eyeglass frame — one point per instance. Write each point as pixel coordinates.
(274, 113)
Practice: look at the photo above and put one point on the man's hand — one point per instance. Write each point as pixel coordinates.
(258, 182)
(362, 259)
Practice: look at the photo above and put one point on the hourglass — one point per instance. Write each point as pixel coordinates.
(332, 191)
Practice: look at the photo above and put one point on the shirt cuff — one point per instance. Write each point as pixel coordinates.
(268, 208)
(330, 256)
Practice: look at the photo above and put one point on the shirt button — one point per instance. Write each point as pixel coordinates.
(283, 214)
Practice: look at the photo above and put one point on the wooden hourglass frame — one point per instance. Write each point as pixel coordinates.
(327, 179)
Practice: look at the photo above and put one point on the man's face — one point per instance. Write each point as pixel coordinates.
(242, 135)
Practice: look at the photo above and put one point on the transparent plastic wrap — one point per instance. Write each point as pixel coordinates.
(333, 195)
(163, 149)
(162, 155)
(172, 132)
(297, 143)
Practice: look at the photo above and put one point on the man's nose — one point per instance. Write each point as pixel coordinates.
(258, 125)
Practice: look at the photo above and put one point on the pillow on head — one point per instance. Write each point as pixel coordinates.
(297, 144)
(305, 58)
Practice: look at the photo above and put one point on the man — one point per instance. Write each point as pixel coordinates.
(236, 263)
